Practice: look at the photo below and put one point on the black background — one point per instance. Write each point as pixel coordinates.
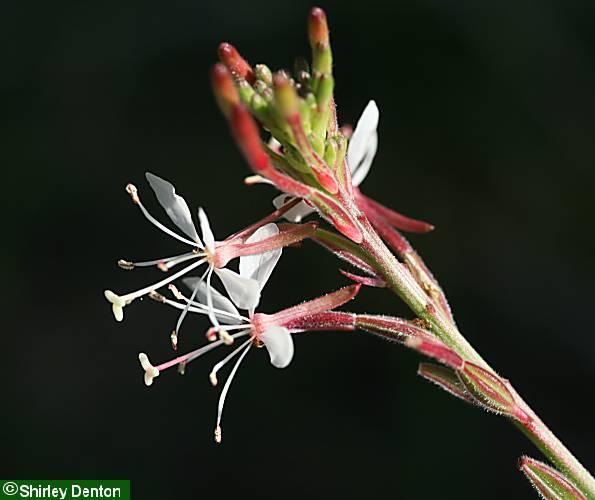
(487, 122)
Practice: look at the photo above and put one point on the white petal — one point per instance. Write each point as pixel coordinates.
(219, 300)
(279, 343)
(295, 214)
(363, 144)
(260, 266)
(205, 229)
(175, 206)
(244, 292)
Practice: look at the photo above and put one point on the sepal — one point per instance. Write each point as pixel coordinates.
(446, 378)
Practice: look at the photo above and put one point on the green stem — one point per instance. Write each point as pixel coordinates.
(401, 282)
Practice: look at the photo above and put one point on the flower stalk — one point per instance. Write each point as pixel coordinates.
(318, 167)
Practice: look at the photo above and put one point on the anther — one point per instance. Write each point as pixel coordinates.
(156, 296)
(133, 192)
(126, 264)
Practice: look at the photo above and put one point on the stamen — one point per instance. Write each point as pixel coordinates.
(165, 264)
(139, 293)
(225, 360)
(150, 371)
(119, 302)
(256, 179)
(225, 390)
(212, 316)
(196, 307)
(153, 371)
(226, 337)
(133, 192)
(187, 308)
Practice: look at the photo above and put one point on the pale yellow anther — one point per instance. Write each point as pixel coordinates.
(133, 192)
(176, 293)
(225, 337)
(126, 264)
(156, 296)
(117, 303)
(150, 371)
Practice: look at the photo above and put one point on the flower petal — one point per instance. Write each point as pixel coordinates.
(363, 144)
(260, 266)
(297, 213)
(175, 206)
(220, 301)
(244, 292)
(205, 229)
(279, 344)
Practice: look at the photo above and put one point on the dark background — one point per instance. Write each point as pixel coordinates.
(487, 124)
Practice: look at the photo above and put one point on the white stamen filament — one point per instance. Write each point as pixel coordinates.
(185, 310)
(133, 192)
(204, 349)
(212, 316)
(225, 390)
(129, 297)
(153, 371)
(225, 360)
(166, 262)
(166, 266)
(199, 308)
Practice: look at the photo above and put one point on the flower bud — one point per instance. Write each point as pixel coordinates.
(263, 74)
(490, 392)
(224, 88)
(285, 95)
(235, 62)
(317, 27)
(550, 483)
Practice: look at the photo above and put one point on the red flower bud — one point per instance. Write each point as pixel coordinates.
(235, 62)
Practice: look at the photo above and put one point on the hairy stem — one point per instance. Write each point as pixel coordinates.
(401, 282)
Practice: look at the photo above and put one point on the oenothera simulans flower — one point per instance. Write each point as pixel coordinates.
(272, 331)
(206, 251)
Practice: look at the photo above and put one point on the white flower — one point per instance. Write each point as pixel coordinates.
(226, 318)
(360, 155)
(244, 291)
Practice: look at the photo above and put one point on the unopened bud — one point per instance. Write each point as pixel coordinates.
(174, 340)
(285, 95)
(317, 27)
(235, 62)
(549, 482)
(263, 74)
(490, 392)
(224, 88)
